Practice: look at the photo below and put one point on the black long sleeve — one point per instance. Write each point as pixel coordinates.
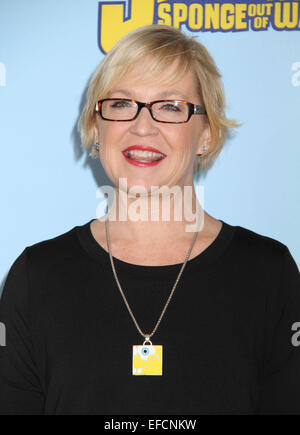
(280, 388)
(20, 389)
(230, 334)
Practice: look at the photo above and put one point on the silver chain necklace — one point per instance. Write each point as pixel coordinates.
(147, 359)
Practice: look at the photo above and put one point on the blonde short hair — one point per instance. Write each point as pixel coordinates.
(164, 44)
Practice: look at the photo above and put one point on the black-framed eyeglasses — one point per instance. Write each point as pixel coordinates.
(167, 111)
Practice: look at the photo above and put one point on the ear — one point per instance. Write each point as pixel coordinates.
(205, 139)
(96, 134)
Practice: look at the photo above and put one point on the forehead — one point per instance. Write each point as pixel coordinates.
(139, 80)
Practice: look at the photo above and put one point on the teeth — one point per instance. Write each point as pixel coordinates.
(144, 154)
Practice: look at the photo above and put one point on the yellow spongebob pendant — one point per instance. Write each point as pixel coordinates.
(147, 359)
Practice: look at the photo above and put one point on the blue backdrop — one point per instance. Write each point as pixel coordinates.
(48, 52)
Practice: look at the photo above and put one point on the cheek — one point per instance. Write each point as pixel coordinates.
(182, 138)
(111, 133)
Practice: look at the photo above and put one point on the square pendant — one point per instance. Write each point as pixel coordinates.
(147, 360)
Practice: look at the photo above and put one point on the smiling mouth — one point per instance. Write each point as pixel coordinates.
(144, 156)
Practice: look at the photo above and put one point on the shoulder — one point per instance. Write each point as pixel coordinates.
(57, 249)
(264, 250)
(265, 263)
(258, 242)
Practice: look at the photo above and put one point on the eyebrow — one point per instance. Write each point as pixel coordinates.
(164, 94)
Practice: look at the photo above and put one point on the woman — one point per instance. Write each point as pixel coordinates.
(149, 310)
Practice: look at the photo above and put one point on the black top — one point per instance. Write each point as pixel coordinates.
(230, 334)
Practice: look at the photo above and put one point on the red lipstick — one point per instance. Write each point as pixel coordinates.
(144, 163)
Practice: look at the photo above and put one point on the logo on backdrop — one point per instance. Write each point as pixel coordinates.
(117, 18)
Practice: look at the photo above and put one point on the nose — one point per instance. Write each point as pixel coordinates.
(144, 124)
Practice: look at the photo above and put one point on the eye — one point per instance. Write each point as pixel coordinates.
(145, 351)
(170, 107)
(121, 103)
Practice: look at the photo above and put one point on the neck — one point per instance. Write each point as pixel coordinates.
(161, 215)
